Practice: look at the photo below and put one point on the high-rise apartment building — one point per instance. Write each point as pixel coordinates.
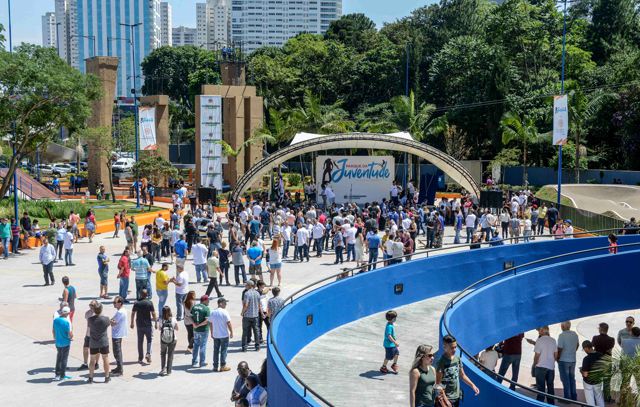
(67, 31)
(257, 23)
(166, 35)
(49, 37)
(213, 22)
(184, 36)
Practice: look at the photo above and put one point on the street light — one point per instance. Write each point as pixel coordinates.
(564, 47)
(92, 38)
(135, 102)
(13, 128)
(109, 39)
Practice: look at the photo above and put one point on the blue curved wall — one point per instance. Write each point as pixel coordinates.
(350, 299)
(550, 294)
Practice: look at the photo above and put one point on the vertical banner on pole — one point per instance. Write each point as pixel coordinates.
(210, 137)
(147, 128)
(560, 120)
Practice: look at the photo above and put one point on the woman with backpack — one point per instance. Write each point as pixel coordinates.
(168, 341)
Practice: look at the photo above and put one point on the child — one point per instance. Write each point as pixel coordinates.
(489, 358)
(390, 344)
(613, 244)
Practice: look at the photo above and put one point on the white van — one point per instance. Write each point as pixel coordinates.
(123, 165)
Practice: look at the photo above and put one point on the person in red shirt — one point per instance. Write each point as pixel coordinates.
(511, 350)
(613, 244)
(124, 269)
(116, 223)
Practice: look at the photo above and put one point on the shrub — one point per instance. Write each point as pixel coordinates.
(294, 179)
(38, 209)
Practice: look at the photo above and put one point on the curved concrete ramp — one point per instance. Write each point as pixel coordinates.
(621, 201)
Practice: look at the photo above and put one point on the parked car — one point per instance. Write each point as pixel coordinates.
(45, 169)
(123, 165)
(61, 169)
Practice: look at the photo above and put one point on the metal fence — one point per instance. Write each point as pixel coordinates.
(585, 219)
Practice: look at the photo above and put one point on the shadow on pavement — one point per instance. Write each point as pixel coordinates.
(49, 342)
(146, 376)
(372, 374)
(40, 370)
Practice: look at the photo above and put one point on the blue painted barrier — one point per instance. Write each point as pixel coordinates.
(545, 295)
(353, 298)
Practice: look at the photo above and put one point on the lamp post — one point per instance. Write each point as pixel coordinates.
(13, 128)
(135, 102)
(93, 41)
(564, 48)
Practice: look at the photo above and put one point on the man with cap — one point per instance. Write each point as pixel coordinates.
(200, 315)
(63, 334)
(221, 331)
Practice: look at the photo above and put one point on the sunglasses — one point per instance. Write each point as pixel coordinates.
(629, 322)
(429, 355)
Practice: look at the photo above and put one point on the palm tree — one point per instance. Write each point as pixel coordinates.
(409, 117)
(314, 117)
(522, 130)
(258, 137)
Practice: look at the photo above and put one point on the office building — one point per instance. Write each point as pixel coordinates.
(166, 35)
(213, 24)
(184, 36)
(49, 38)
(257, 23)
(67, 31)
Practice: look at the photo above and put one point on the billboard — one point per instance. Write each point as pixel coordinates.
(210, 137)
(356, 179)
(147, 128)
(560, 120)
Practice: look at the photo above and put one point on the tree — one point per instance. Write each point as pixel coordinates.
(155, 168)
(352, 30)
(410, 116)
(124, 134)
(314, 117)
(260, 136)
(521, 130)
(102, 143)
(40, 93)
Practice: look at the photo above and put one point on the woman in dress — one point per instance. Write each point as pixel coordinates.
(359, 247)
(275, 261)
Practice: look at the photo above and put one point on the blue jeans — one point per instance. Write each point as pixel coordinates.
(339, 258)
(15, 244)
(140, 285)
(220, 346)
(514, 362)
(544, 383)
(180, 306)
(199, 347)
(149, 290)
(351, 250)
(373, 257)
(201, 270)
(568, 378)
(124, 287)
(162, 299)
(285, 249)
(469, 234)
(456, 239)
(5, 246)
(68, 256)
(318, 246)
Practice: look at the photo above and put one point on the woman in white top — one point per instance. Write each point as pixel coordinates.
(359, 248)
(275, 261)
(505, 218)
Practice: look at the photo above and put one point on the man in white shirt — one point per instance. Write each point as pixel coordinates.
(181, 280)
(47, 258)
(302, 241)
(318, 236)
(350, 239)
(331, 196)
(118, 332)
(160, 221)
(257, 210)
(221, 331)
(470, 224)
(546, 354)
(199, 252)
(68, 247)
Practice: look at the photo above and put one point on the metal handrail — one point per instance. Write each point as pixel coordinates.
(509, 270)
(350, 271)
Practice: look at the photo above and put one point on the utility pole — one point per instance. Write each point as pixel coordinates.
(13, 128)
(564, 46)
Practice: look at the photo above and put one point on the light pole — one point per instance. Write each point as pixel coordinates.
(109, 39)
(564, 46)
(135, 103)
(13, 128)
(90, 37)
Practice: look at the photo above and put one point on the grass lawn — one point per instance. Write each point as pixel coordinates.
(551, 194)
(104, 210)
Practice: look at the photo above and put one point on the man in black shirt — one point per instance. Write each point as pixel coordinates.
(604, 344)
(143, 314)
(98, 342)
(592, 375)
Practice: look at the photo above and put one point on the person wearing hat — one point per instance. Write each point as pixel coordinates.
(200, 315)
(62, 334)
(221, 332)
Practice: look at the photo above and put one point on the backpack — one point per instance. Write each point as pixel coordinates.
(167, 334)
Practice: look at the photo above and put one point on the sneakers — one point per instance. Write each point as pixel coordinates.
(116, 372)
(57, 379)
(107, 379)
(225, 368)
(90, 380)
(163, 372)
(83, 367)
(148, 358)
(65, 378)
(384, 370)
(395, 368)
(195, 365)
(204, 364)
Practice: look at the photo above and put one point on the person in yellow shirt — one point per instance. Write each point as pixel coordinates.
(162, 285)
(542, 215)
(213, 270)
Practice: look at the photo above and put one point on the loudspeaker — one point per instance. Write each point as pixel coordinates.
(207, 194)
(491, 199)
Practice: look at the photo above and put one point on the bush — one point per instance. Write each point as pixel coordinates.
(38, 209)
(294, 179)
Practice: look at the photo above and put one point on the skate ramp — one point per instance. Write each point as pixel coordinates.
(619, 201)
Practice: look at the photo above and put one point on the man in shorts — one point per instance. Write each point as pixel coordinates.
(99, 342)
(85, 347)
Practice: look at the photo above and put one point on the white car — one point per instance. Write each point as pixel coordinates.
(123, 165)
(44, 169)
(61, 169)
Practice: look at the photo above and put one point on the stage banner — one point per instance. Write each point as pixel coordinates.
(210, 136)
(560, 120)
(147, 128)
(356, 179)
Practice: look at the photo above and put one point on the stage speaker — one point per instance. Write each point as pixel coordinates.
(207, 194)
(491, 199)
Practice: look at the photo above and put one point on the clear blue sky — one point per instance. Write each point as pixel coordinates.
(26, 14)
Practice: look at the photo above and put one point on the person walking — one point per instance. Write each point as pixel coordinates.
(69, 295)
(116, 225)
(213, 270)
(162, 285)
(168, 328)
(568, 344)
(141, 268)
(511, 356)
(68, 247)
(275, 262)
(62, 335)
(99, 342)
(103, 273)
(124, 271)
(181, 281)
(592, 375)
(118, 333)
(422, 379)
(449, 371)
(47, 257)
(200, 316)
(221, 332)
(142, 314)
(545, 355)
(250, 313)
